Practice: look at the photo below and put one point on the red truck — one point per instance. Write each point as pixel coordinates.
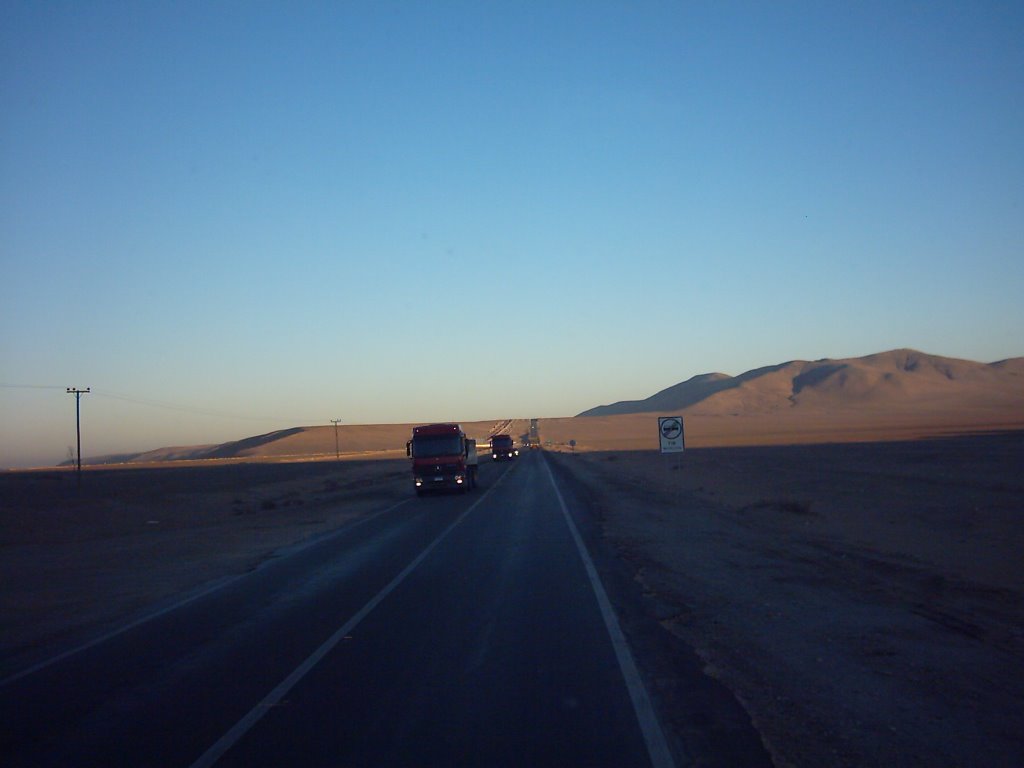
(442, 457)
(502, 448)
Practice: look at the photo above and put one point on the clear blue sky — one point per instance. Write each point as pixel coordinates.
(233, 217)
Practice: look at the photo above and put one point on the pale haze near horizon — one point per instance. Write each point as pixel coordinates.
(230, 220)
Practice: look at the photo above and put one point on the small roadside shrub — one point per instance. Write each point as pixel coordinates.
(792, 506)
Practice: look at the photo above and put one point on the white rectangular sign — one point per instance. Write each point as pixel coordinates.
(670, 434)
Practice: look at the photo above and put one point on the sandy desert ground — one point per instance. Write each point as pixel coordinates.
(864, 600)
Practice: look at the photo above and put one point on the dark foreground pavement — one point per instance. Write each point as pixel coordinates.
(449, 630)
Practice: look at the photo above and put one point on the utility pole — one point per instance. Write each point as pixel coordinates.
(78, 423)
(337, 446)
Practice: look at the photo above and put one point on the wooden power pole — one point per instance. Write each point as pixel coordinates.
(78, 423)
(337, 445)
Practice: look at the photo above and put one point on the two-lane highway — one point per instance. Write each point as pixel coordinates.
(448, 630)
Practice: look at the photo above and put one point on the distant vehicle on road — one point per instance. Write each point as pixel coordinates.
(442, 458)
(503, 448)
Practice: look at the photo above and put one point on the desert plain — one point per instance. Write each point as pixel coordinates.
(857, 585)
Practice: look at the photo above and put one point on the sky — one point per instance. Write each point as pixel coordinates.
(228, 218)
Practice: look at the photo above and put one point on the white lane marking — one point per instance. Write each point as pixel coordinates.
(217, 586)
(654, 737)
(243, 726)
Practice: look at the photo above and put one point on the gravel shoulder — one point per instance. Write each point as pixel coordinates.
(864, 602)
(77, 563)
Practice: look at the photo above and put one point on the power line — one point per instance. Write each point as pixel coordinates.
(168, 406)
(197, 411)
(31, 386)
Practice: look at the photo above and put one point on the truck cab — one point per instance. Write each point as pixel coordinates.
(503, 448)
(443, 458)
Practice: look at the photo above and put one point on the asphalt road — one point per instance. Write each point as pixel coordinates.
(449, 630)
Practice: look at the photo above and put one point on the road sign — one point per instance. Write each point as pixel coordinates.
(670, 434)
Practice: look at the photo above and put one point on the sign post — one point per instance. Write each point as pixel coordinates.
(672, 440)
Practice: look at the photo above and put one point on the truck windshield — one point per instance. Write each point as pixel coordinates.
(502, 442)
(436, 445)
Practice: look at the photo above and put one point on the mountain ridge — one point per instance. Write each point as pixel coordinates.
(897, 377)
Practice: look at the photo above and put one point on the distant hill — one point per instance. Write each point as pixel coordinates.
(902, 379)
(234, 449)
(300, 443)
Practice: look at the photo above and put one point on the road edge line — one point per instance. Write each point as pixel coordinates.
(650, 727)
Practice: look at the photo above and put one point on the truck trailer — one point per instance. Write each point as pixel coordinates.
(443, 458)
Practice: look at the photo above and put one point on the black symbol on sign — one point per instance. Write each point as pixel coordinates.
(670, 429)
